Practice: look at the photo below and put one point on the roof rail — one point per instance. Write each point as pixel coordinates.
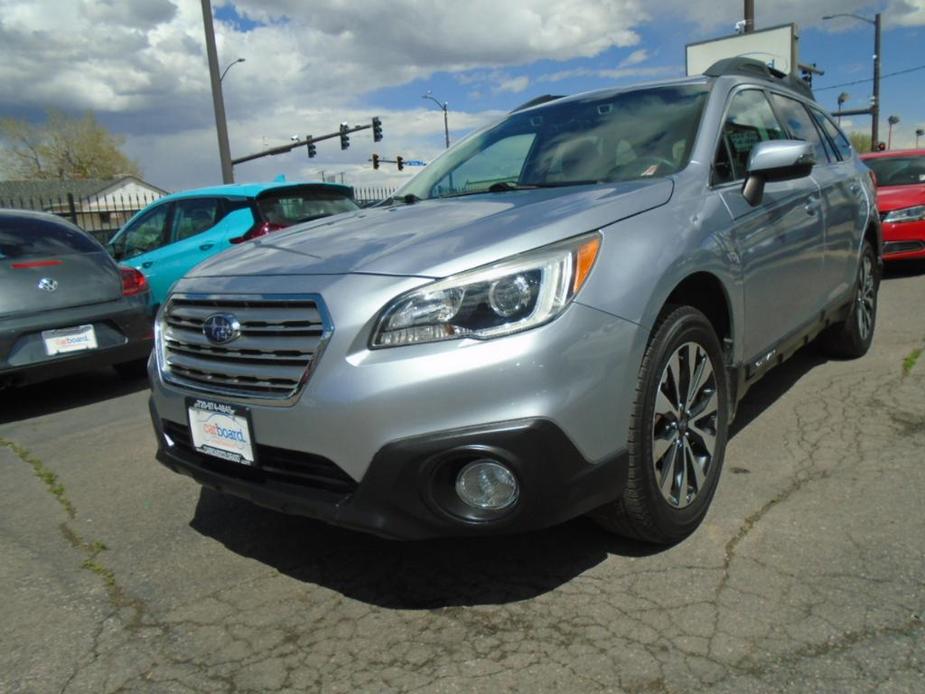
(750, 67)
(537, 101)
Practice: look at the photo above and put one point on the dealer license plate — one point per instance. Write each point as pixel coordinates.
(69, 339)
(220, 430)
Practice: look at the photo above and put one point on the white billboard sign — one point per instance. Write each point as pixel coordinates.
(776, 47)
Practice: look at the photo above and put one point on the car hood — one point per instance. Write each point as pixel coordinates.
(897, 197)
(436, 238)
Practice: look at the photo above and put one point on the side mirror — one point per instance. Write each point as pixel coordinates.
(776, 160)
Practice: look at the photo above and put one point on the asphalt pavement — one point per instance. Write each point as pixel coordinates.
(807, 575)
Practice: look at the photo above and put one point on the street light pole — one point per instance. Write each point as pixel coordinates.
(446, 125)
(842, 98)
(875, 98)
(229, 66)
(892, 120)
(218, 102)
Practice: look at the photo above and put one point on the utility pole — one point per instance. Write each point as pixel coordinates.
(749, 16)
(218, 101)
(875, 106)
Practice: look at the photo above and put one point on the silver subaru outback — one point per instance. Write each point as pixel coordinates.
(556, 317)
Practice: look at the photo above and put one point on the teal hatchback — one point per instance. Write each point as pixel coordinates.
(171, 236)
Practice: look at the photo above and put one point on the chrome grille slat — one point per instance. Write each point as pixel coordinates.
(264, 342)
(271, 359)
(237, 357)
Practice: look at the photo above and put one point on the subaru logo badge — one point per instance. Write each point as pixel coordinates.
(48, 284)
(220, 328)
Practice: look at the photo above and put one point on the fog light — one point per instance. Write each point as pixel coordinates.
(485, 484)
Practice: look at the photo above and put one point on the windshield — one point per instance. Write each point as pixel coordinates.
(633, 134)
(898, 171)
(290, 206)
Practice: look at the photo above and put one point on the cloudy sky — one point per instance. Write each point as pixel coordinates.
(140, 65)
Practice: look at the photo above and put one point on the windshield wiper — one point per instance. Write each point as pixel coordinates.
(502, 186)
(505, 186)
(408, 199)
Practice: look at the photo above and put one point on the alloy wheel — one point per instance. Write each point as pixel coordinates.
(866, 301)
(684, 425)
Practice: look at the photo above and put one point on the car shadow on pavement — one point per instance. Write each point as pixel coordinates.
(903, 268)
(431, 574)
(49, 397)
(774, 385)
(424, 574)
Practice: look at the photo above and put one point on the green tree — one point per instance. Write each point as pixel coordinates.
(63, 147)
(860, 141)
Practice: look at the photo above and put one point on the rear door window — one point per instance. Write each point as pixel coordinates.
(800, 125)
(291, 206)
(749, 121)
(193, 216)
(29, 237)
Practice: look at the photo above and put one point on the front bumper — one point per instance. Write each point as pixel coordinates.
(405, 490)
(903, 241)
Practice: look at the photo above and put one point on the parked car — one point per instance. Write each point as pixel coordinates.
(65, 306)
(556, 317)
(169, 237)
(900, 177)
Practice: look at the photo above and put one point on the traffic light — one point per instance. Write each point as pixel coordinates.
(344, 137)
(375, 161)
(377, 130)
(401, 162)
(312, 150)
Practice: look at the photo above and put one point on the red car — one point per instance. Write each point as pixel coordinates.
(901, 201)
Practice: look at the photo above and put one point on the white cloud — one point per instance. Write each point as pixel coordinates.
(640, 55)
(515, 85)
(613, 73)
(721, 15)
(906, 13)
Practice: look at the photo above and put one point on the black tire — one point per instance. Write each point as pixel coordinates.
(644, 511)
(132, 370)
(852, 337)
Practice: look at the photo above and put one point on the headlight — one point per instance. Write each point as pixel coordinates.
(907, 214)
(506, 297)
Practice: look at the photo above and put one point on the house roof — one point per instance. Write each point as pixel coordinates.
(53, 189)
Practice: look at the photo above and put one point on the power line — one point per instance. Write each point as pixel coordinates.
(870, 79)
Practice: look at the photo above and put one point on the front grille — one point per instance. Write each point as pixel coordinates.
(273, 464)
(280, 338)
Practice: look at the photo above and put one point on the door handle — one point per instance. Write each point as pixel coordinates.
(812, 206)
(147, 264)
(206, 246)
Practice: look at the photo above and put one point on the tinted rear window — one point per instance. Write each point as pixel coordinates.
(28, 237)
(301, 205)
